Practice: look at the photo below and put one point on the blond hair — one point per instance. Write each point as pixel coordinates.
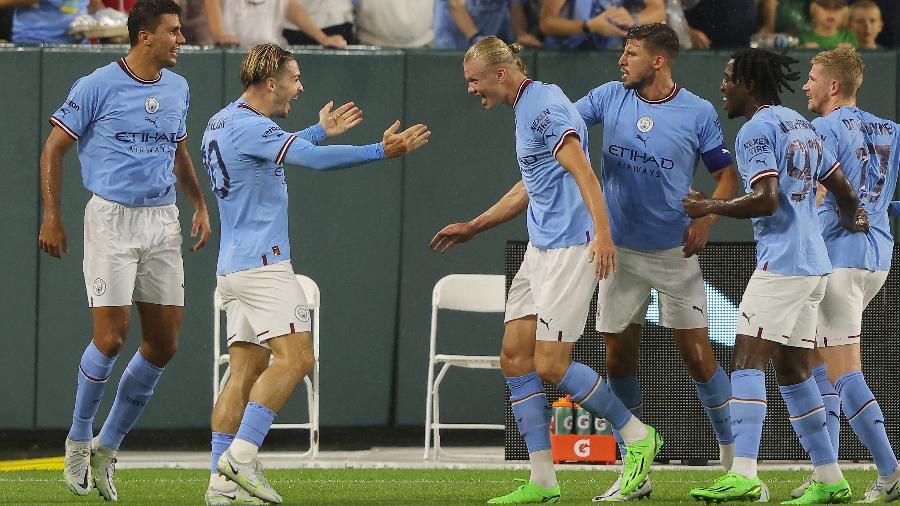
(843, 65)
(493, 51)
(263, 62)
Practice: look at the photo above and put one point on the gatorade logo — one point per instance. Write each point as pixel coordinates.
(582, 448)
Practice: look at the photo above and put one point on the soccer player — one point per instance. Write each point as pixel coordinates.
(654, 132)
(244, 152)
(128, 119)
(780, 158)
(867, 147)
(549, 298)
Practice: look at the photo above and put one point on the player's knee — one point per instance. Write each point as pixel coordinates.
(700, 368)
(163, 352)
(515, 363)
(109, 343)
(619, 367)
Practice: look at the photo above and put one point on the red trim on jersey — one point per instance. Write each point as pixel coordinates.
(558, 145)
(58, 122)
(762, 175)
(521, 90)
(284, 149)
(764, 106)
(663, 100)
(125, 68)
(833, 168)
(243, 105)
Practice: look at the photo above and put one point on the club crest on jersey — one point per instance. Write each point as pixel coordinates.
(302, 313)
(151, 105)
(99, 287)
(645, 124)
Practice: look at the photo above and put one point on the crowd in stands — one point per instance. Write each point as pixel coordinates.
(574, 25)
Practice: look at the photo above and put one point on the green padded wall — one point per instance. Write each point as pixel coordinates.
(20, 69)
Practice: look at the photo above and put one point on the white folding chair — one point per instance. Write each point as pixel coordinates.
(311, 381)
(480, 293)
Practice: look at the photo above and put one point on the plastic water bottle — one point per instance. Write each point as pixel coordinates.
(563, 416)
(676, 19)
(773, 40)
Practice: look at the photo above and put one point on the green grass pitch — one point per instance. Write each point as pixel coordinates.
(377, 486)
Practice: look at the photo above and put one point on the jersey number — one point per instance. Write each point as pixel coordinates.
(210, 150)
(865, 155)
(803, 171)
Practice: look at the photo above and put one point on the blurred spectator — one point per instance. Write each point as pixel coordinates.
(194, 25)
(792, 16)
(46, 21)
(595, 24)
(395, 23)
(333, 17)
(718, 23)
(121, 5)
(866, 23)
(890, 13)
(5, 25)
(829, 26)
(460, 23)
(247, 23)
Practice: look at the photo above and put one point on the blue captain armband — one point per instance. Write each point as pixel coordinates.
(717, 158)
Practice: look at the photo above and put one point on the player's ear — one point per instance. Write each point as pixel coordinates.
(501, 72)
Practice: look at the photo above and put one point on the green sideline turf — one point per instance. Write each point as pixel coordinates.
(385, 486)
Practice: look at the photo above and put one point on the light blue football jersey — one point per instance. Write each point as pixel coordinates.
(491, 17)
(244, 152)
(557, 216)
(867, 147)
(779, 142)
(650, 152)
(127, 130)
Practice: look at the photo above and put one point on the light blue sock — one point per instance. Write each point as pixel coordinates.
(715, 395)
(748, 411)
(628, 390)
(588, 389)
(807, 414)
(255, 423)
(832, 404)
(93, 372)
(867, 420)
(220, 443)
(134, 392)
(529, 405)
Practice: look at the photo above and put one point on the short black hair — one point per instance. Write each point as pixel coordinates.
(659, 36)
(145, 16)
(768, 71)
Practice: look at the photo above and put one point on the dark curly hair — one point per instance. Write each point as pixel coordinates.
(768, 72)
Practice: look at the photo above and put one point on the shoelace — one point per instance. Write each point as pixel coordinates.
(72, 464)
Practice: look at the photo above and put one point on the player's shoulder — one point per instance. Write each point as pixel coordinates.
(247, 121)
(694, 101)
(611, 88)
(101, 77)
(173, 78)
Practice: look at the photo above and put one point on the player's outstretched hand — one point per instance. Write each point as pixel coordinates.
(695, 204)
(339, 120)
(695, 236)
(602, 254)
(200, 224)
(405, 142)
(52, 238)
(451, 235)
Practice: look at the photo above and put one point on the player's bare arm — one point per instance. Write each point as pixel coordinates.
(338, 121)
(190, 187)
(853, 217)
(602, 250)
(762, 201)
(52, 237)
(512, 204)
(697, 233)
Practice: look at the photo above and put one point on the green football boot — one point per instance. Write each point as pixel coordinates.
(820, 493)
(529, 493)
(731, 487)
(638, 459)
